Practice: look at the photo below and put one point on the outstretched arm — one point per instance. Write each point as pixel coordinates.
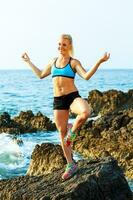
(88, 74)
(39, 73)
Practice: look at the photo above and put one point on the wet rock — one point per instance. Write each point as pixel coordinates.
(112, 133)
(5, 119)
(7, 125)
(45, 159)
(96, 179)
(110, 101)
(26, 122)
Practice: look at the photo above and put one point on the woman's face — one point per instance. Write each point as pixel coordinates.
(64, 46)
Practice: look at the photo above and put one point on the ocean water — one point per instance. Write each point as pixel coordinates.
(21, 90)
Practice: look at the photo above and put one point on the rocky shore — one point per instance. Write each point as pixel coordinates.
(110, 101)
(25, 122)
(106, 144)
(98, 179)
(112, 133)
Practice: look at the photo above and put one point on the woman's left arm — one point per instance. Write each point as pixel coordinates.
(88, 74)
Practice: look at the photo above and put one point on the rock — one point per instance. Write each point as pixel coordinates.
(5, 119)
(110, 101)
(45, 159)
(7, 125)
(97, 179)
(112, 133)
(26, 122)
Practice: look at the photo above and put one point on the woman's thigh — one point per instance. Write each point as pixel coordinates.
(80, 106)
(61, 120)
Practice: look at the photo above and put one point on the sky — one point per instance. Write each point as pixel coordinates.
(96, 26)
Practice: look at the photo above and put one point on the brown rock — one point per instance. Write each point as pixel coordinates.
(112, 133)
(110, 101)
(96, 179)
(45, 159)
(26, 122)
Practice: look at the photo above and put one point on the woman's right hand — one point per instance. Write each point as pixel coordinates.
(25, 57)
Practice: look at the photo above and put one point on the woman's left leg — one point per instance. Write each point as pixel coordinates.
(83, 111)
(61, 121)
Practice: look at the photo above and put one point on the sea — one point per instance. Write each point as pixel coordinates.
(21, 90)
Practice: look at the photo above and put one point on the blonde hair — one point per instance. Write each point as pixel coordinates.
(69, 37)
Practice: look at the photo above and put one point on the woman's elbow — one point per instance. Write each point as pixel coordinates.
(86, 78)
(41, 76)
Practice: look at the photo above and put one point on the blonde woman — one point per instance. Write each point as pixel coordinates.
(66, 95)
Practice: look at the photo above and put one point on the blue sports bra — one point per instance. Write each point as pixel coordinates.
(65, 71)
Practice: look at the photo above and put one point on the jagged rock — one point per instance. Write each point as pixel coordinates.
(7, 125)
(5, 119)
(26, 122)
(112, 133)
(95, 180)
(40, 122)
(109, 101)
(45, 159)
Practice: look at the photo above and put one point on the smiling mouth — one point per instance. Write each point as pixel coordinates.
(61, 51)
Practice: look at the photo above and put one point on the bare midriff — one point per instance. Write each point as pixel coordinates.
(63, 86)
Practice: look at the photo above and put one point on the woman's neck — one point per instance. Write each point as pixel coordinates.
(64, 57)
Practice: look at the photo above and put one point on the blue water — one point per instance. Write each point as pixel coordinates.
(21, 90)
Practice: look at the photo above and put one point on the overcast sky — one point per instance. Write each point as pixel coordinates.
(95, 25)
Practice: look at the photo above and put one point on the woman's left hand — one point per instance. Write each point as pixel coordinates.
(105, 57)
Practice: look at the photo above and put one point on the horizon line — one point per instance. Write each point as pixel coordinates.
(131, 68)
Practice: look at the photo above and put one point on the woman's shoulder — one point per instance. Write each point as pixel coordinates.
(74, 61)
(52, 61)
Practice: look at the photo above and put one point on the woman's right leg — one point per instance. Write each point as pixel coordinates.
(61, 121)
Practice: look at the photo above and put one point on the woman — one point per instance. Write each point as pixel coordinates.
(66, 96)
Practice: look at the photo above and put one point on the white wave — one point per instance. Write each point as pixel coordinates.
(10, 152)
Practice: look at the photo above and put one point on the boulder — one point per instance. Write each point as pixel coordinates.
(113, 133)
(110, 101)
(96, 179)
(45, 159)
(26, 122)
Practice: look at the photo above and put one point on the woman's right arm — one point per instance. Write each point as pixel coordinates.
(39, 73)
(88, 74)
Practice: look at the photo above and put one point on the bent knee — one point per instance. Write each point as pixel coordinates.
(85, 115)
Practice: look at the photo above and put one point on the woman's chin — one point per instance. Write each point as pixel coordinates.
(61, 53)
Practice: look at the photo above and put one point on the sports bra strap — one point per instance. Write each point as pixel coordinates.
(67, 63)
(70, 60)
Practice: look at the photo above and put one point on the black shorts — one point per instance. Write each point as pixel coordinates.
(64, 102)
